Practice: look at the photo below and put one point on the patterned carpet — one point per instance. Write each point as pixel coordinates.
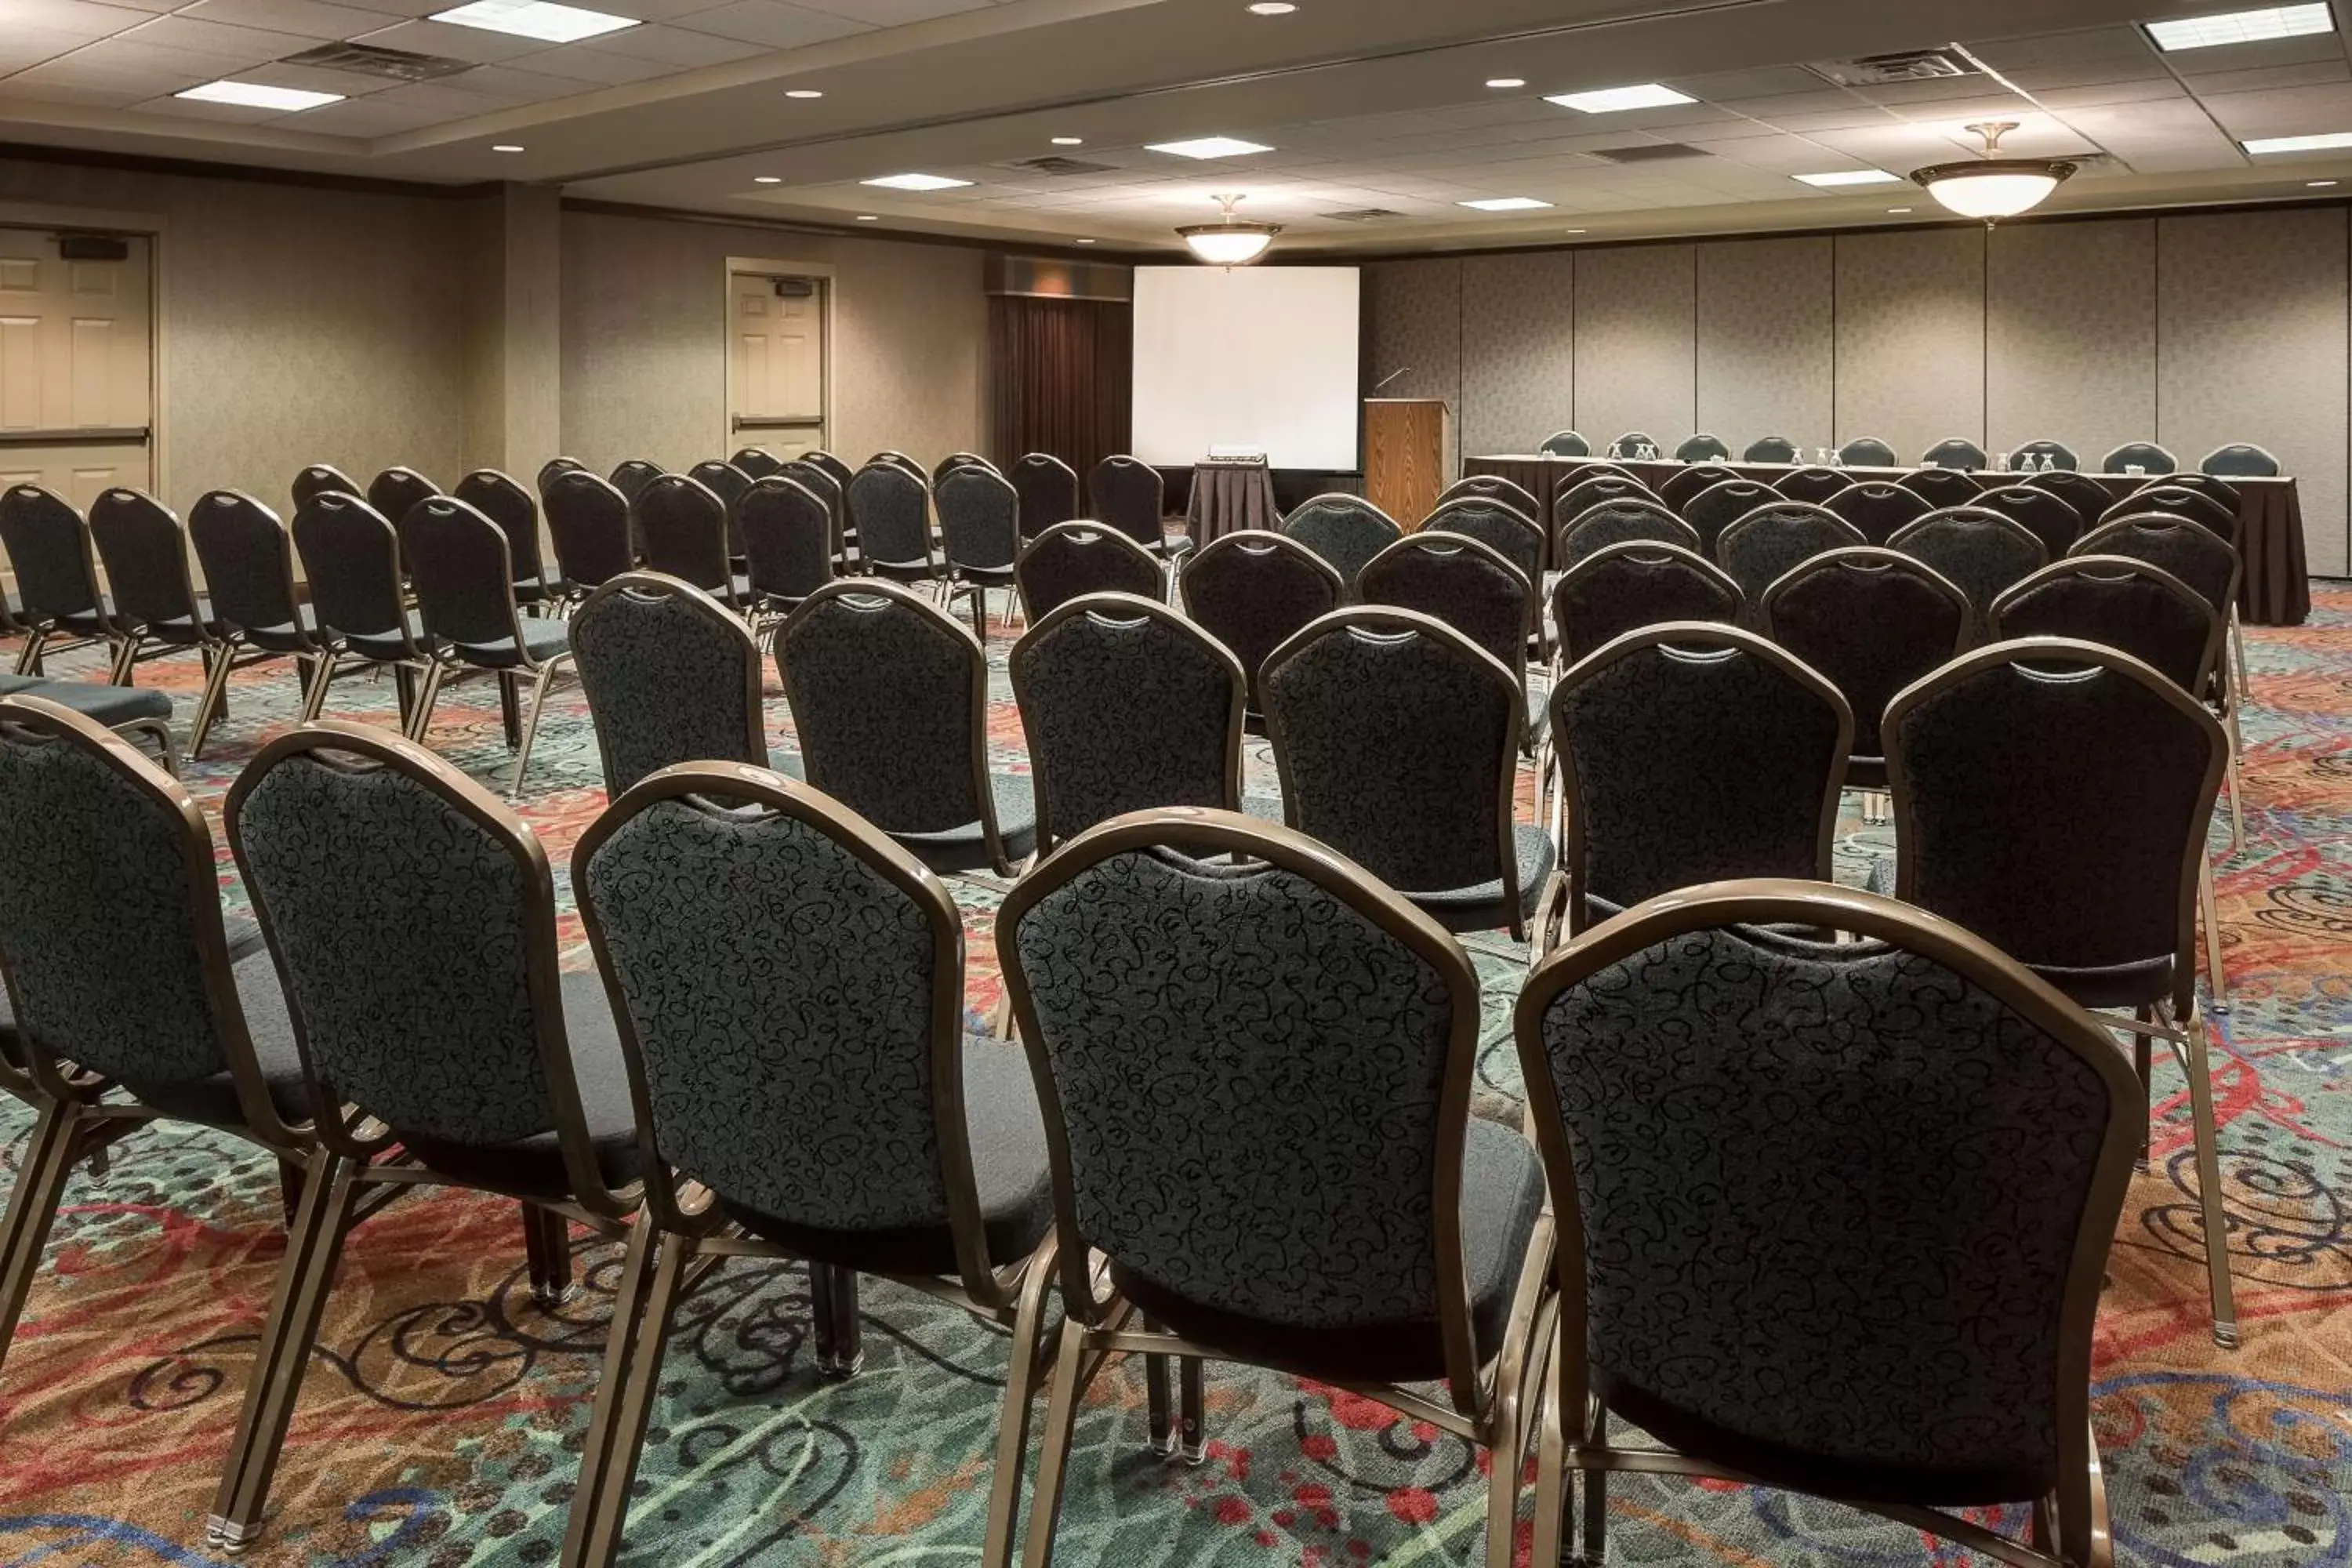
(443, 1414)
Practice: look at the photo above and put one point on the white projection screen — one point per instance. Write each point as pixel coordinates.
(1250, 356)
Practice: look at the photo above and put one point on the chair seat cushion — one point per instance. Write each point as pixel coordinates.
(543, 639)
(964, 849)
(285, 638)
(1537, 856)
(213, 1100)
(1502, 1196)
(1008, 1165)
(2136, 985)
(181, 631)
(384, 647)
(107, 705)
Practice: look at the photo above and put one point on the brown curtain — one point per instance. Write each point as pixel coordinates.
(1058, 376)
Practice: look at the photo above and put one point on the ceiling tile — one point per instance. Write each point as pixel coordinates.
(371, 116)
(215, 40)
(75, 18)
(671, 45)
(2288, 111)
(2114, 92)
(894, 13)
(350, 84)
(2269, 77)
(583, 64)
(306, 18)
(2076, 48)
(518, 85)
(479, 45)
(774, 22)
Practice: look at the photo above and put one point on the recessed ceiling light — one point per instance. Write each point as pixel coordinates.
(253, 95)
(1069, 141)
(867, 217)
(541, 19)
(2240, 26)
(916, 183)
(1507, 81)
(767, 179)
(1208, 147)
(1898, 209)
(1609, 100)
(1272, 8)
(2317, 184)
(505, 147)
(1579, 231)
(1086, 242)
(1504, 204)
(2319, 143)
(802, 92)
(1836, 177)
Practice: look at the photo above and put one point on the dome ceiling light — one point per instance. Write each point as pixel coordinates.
(1235, 242)
(1993, 187)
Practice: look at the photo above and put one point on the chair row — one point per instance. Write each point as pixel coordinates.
(2236, 459)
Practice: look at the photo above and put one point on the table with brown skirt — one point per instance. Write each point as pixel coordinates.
(1230, 496)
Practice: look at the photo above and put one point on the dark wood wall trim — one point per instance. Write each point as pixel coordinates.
(1094, 254)
(250, 174)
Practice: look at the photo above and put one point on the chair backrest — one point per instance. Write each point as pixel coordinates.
(755, 462)
(1760, 547)
(1345, 530)
(1639, 583)
(1879, 508)
(889, 700)
(1495, 523)
(1125, 705)
(634, 475)
(145, 552)
(1954, 452)
(554, 466)
(728, 482)
(1942, 487)
(1352, 1222)
(588, 517)
(1867, 452)
(1586, 488)
(1869, 621)
(1701, 448)
(2224, 494)
(1566, 443)
(48, 544)
(508, 504)
(891, 510)
(1084, 557)
(841, 472)
(789, 538)
(1717, 506)
(1048, 488)
(1492, 487)
(1694, 753)
(979, 517)
(682, 527)
(1812, 484)
(1253, 590)
(900, 459)
(395, 490)
(463, 573)
(1614, 521)
(1635, 445)
(956, 460)
(2145, 456)
(1397, 740)
(1129, 495)
(1977, 551)
(2192, 553)
(817, 480)
(1461, 583)
(2052, 796)
(2179, 500)
(2046, 515)
(247, 557)
(1692, 1188)
(2060, 455)
(1770, 449)
(2080, 490)
(322, 476)
(2118, 603)
(351, 560)
(1678, 489)
(671, 676)
(2239, 460)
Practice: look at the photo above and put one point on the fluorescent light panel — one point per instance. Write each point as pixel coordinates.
(2320, 144)
(1609, 100)
(541, 19)
(2240, 28)
(1208, 147)
(1504, 204)
(254, 95)
(1836, 177)
(916, 183)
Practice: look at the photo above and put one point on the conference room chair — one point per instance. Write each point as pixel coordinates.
(2031, 455)
(728, 482)
(1345, 530)
(1495, 523)
(554, 466)
(510, 506)
(319, 477)
(1977, 551)
(1585, 489)
(157, 610)
(1615, 521)
(682, 529)
(2048, 517)
(2118, 603)
(2051, 795)
(1677, 488)
(1048, 488)
(790, 546)
(755, 462)
(2145, 456)
(954, 461)
(1083, 557)
(1625, 587)
(980, 520)
(1867, 452)
(1131, 496)
(1879, 508)
(1253, 590)
(1565, 444)
(1691, 753)
(455, 554)
(841, 472)
(1942, 487)
(1770, 449)
(818, 481)
(1871, 621)
(671, 676)
(1956, 452)
(2238, 461)
(891, 510)
(1461, 583)
(1798, 1335)
(889, 702)
(1492, 487)
(1594, 469)
(1701, 448)
(395, 490)
(124, 1004)
(57, 594)
(1717, 506)
(588, 522)
(2080, 490)
(1762, 545)
(1397, 740)
(132, 712)
(247, 556)
(900, 459)
(634, 475)
(1815, 484)
(1126, 705)
(2222, 492)
(1637, 445)
(2179, 500)
(1341, 1145)
(455, 1036)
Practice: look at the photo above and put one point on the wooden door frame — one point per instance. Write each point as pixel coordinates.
(760, 266)
(151, 227)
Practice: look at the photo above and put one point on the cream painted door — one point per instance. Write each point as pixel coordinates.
(775, 363)
(77, 367)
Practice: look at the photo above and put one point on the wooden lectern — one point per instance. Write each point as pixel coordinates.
(1404, 456)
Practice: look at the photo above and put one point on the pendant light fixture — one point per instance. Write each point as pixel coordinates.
(1235, 242)
(1993, 187)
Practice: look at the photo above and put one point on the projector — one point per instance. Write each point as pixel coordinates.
(1237, 454)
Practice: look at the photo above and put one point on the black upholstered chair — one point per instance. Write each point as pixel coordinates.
(413, 920)
(1978, 550)
(1869, 621)
(1815, 483)
(1942, 487)
(889, 703)
(1691, 753)
(1763, 545)
(979, 522)
(900, 460)
(728, 482)
(2145, 456)
(1126, 705)
(671, 676)
(1345, 531)
(755, 462)
(1368, 1231)
(247, 556)
(1048, 488)
(2052, 796)
(682, 527)
(1585, 489)
(634, 475)
(817, 480)
(136, 712)
(57, 594)
(2238, 461)
(1397, 740)
(1253, 590)
(1956, 452)
(1502, 528)
(1879, 509)
(841, 472)
(2048, 517)
(395, 490)
(2084, 494)
(955, 461)
(1637, 445)
(1753, 1289)
(2179, 500)
(1717, 506)
(1128, 494)
(2030, 457)
(1083, 557)
(352, 563)
(1462, 582)
(1627, 587)
(1565, 444)
(1867, 452)
(1770, 449)
(891, 510)
(588, 520)
(554, 466)
(1615, 521)
(320, 478)
(2227, 496)
(2117, 603)
(157, 609)
(1492, 487)
(1701, 448)
(790, 544)
(1677, 488)
(506, 503)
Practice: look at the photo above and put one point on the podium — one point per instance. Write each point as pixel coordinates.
(1404, 456)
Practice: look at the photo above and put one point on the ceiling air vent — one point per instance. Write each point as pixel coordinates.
(367, 60)
(1907, 64)
(1648, 152)
(1363, 215)
(1053, 165)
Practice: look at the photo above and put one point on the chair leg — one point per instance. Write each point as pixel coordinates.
(209, 706)
(2142, 1045)
(1555, 1524)
(547, 1249)
(537, 706)
(124, 652)
(511, 708)
(2237, 785)
(1191, 1407)
(2217, 977)
(1596, 1493)
(427, 695)
(1053, 1454)
(41, 1176)
(1160, 1433)
(2238, 658)
(593, 1537)
(2196, 1065)
(1505, 1459)
(28, 658)
(1021, 1375)
(314, 694)
(833, 1309)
